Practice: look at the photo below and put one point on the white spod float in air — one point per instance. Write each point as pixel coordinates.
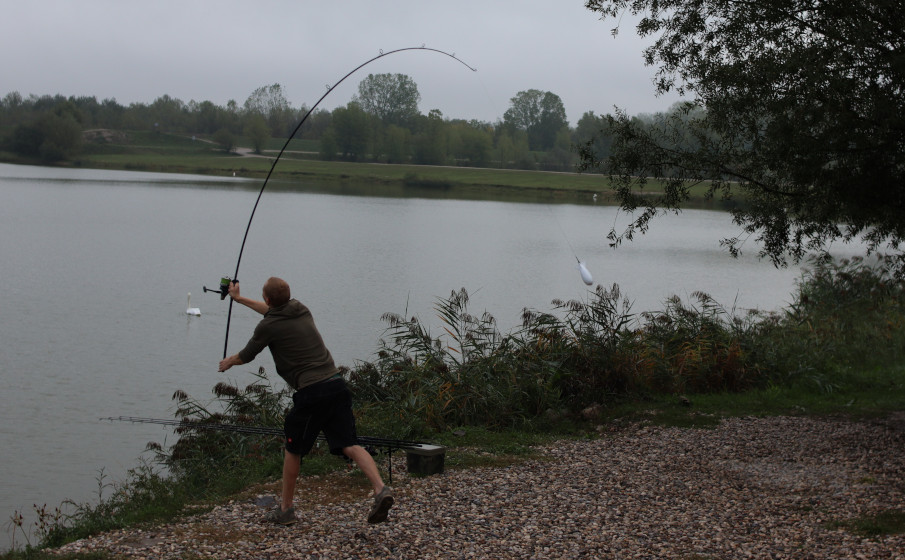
(585, 273)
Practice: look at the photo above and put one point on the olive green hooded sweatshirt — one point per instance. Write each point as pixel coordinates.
(299, 353)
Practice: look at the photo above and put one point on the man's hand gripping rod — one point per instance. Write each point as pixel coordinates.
(224, 287)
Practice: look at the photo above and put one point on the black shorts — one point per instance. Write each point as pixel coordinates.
(322, 407)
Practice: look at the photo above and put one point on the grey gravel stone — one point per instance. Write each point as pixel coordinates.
(764, 488)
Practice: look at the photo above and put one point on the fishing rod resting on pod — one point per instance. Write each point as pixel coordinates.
(226, 281)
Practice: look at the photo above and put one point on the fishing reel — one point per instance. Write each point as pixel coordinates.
(224, 287)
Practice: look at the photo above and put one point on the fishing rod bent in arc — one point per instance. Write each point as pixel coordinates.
(224, 288)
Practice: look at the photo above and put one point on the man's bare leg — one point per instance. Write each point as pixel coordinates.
(291, 465)
(367, 465)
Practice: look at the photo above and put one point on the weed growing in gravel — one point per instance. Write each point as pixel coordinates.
(887, 522)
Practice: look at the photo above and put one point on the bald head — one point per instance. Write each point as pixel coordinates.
(276, 291)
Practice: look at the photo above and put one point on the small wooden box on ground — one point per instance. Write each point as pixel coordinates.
(425, 459)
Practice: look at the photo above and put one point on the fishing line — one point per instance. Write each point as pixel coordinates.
(585, 274)
(493, 105)
(286, 145)
(582, 269)
(563, 232)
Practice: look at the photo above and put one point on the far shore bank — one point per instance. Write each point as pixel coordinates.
(184, 155)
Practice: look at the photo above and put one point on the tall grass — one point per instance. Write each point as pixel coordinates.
(846, 317)
(584, 353)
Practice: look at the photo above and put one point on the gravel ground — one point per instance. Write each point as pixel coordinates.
(751, 488)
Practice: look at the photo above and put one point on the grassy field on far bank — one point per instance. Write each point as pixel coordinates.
(173, 153)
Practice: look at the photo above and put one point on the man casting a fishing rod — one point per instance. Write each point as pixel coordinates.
(321, 401)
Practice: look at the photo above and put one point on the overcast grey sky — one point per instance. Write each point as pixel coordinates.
(220, 50)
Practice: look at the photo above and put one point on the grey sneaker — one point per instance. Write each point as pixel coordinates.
(382, 504)
(280, 517)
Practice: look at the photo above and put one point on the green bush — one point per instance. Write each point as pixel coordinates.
(846, 317)
(597, 352)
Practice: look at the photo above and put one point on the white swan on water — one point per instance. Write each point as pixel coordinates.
(191, 310)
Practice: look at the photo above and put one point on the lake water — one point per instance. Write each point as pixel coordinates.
(97, 265)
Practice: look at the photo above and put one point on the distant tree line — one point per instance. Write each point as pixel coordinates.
(382, 123)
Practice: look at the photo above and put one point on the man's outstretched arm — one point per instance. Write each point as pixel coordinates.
(256, 305)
